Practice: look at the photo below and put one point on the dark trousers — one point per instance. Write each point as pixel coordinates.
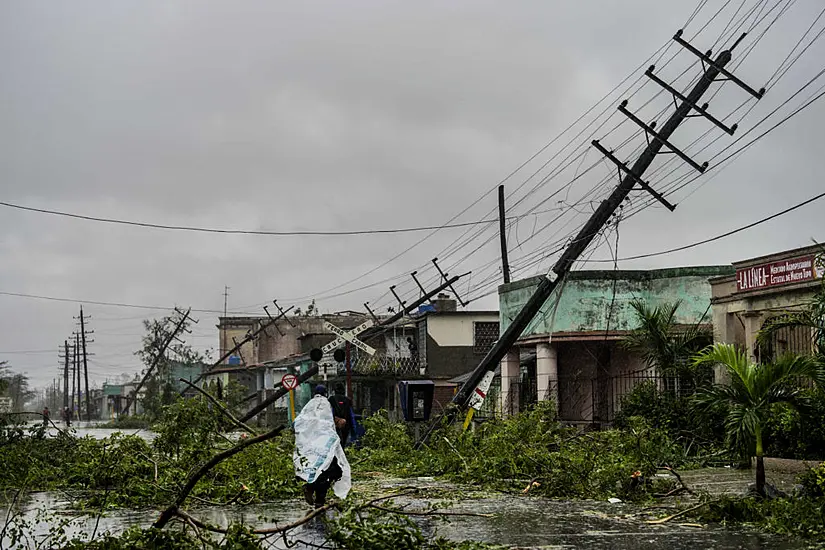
(324, 481)
(343, 434)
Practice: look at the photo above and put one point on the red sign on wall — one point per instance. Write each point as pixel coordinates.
(793, 270)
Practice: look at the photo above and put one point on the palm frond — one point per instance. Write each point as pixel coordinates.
(742, 424)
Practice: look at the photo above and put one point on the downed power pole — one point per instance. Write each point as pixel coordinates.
(156, 360)
(632, 176)
(250, 336)
(370, 332)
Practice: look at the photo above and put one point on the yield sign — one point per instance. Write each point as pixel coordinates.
(348, 336)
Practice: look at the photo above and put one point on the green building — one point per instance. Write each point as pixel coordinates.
(570, 352)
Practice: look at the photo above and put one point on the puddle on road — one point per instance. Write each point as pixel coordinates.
(518, 521)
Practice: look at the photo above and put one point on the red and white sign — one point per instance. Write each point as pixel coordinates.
(289, 381)
(785, 272)
(480, 391)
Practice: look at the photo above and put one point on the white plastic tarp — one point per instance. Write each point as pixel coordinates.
(317, 443)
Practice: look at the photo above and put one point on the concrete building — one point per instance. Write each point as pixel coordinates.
(285, 346)
(113, 398)
(436, 342)
(760, 289)
(571, 351)
(451, 343)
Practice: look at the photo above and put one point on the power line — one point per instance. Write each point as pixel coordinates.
(98, 302)
(244, 231)
(718, 237)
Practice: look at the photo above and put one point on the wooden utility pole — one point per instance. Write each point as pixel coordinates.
(76, 375)
(65, 374)
(85, 365)
(632, 176)
(349, 368)
(505, 265)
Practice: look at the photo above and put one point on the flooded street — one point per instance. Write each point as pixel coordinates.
(516, 521)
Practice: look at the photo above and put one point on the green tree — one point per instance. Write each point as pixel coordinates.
(665, 345)
(16, 386)
(161, 386)
(749, 398)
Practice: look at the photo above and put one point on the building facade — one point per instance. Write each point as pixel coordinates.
(452, 343)
(763, 288)
(571, 352)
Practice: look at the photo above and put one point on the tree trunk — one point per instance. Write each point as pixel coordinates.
(760, 465)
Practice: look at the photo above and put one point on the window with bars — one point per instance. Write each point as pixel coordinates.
(485, 334)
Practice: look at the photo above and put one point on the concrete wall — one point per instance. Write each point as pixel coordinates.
(448, 349)
(456, 330)
(587, 295)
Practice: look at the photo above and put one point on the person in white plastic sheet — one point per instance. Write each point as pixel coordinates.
(319, 458)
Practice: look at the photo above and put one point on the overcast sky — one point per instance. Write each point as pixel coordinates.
(351, 116)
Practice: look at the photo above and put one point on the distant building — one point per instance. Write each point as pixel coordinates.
(437, 342)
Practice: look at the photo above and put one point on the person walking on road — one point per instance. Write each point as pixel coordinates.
(342, 413)
(319, 457)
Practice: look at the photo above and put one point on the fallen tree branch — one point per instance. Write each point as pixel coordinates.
(682, 488)
(466, 467)
(265, 531)
(154, 463)
(219, 406)
(41, 415)
(429, 513)
(196, 476)
(676, 515)
(283, 528)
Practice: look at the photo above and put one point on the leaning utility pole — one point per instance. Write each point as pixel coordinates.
(505, 265)
(632, 176)
(157, 358)
(85, 365)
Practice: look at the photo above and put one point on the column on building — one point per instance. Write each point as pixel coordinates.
(753, 323)
(547, 372)
(510, 372)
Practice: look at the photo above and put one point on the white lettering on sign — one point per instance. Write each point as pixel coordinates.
(794, 270)
(348, 336)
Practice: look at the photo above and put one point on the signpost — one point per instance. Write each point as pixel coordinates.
(348, 336)
(290, 382)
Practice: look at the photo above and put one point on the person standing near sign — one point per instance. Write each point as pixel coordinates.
(342, 412)
(319, 457)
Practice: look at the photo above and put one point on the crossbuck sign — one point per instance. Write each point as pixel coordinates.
(348, 336)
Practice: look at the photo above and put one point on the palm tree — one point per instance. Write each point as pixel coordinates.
(747, 401)
(662, 343)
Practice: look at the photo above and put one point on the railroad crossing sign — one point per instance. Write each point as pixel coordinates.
(289, 381)
(348, 336)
